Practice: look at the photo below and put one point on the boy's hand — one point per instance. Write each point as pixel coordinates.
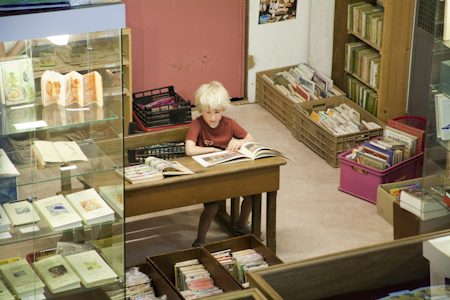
(234, 144)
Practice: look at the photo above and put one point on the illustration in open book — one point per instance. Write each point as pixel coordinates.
(248, 151)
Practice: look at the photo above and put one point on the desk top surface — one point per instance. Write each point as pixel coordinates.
(202, 172)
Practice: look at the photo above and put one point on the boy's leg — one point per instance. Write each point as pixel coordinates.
(246, 210)
(208, 214)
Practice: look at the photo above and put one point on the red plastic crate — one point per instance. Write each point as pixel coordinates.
(364, 185)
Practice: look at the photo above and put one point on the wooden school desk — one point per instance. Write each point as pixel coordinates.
(206, 185)
(211, 184)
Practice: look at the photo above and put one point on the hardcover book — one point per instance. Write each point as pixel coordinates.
(57, 274)
(419, 133)
(57, 153)
(21, 278)
(91, 268)
(21, 213)
(114, 256)
(90, 206)
(17, 82)
(113, 194)
(248, 151)
(58, 213)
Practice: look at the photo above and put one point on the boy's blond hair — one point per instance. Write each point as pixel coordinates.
(212, 96)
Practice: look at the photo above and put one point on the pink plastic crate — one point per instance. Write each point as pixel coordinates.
(364, 185)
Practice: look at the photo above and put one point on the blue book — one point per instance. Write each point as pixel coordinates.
(388, 152)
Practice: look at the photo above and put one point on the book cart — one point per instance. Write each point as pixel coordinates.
(364, 273)
(94, 46)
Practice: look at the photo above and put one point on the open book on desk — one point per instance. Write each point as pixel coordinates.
(153, 169)
(248, 151)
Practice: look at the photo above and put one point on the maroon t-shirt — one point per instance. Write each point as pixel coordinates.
(205, 136)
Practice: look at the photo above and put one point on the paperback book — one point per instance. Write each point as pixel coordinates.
(423, 200)
(113, 194)
(91, 268)
(21, 213)
(153, 169)
(21, 278)
(58, 213)
(248, 151)
(57, 153)
(4, 221)
(5, 294)
(7, 168)
(57, 274)
(17, 82)
(90, 206)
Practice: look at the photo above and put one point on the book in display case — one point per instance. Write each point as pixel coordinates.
(61, 238)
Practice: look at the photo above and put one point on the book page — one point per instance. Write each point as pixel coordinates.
(166, 167)
(70, 151)
(222, 157)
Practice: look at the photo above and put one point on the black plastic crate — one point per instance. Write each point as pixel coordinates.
(178, 112)
(164, 151)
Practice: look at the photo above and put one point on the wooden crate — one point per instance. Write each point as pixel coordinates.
(160, 285)
(322, 141)
(164, 263)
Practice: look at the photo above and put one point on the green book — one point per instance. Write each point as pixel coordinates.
(380, 31)
(369, 24)
(349, 54)
(361, 12)
(365, 30)
(350, 14)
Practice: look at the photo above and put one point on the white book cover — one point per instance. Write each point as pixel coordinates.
(57, 274)
(422, 200)
(21, 278)
(428, 215)
(437, 106)
(91, 268)
(114, 256)
(5, 294)
(7, 168)
(113, 194)
(446, 35)
(58, 213)
(4, 221)
(90, 206)
(21, 213)
(437, 251)
(444, 117)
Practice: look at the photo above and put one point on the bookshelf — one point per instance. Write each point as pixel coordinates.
(395, 53)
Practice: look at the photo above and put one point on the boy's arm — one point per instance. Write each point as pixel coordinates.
(235, 144)
(192, 149)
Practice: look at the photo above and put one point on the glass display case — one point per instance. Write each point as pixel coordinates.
(61, 228)
(437, 143)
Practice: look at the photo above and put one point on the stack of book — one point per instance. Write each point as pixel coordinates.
(225, 258)
(248, 260)
(342, 119)
(303, 83)
(193, 280)
(426, 204)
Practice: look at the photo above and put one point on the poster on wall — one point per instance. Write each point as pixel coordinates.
(271, 11)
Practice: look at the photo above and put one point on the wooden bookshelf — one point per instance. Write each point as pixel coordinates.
(395, 53)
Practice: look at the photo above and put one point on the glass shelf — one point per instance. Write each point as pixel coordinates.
(46, 232)
(54, 116)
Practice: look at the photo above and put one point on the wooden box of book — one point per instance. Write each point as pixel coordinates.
(279, 100)
(321, 140)
(385, 204)
(364, 273)
(227, 252)
(159, 284)
(193, 259)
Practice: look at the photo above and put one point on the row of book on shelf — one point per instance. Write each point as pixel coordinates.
(362, 95)
(66, 267)
(399, 142)
(363, 62)
(303, 83)
(366, 20)
(64, 212)
(426, 203)
(340, 119)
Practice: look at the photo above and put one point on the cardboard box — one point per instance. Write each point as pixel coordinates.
(414, 225)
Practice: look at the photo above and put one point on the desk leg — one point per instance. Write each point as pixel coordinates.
(222, 206)
(271, 221)
(256, 215)
(234, 215)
